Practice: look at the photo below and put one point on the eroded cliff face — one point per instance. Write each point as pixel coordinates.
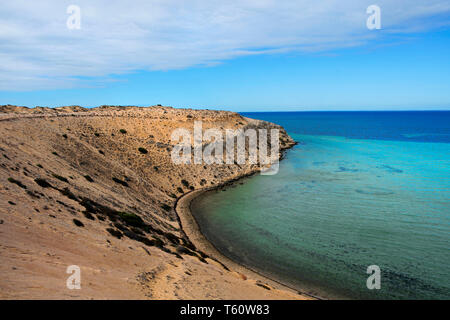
(96, 188)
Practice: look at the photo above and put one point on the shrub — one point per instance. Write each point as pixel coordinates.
(66, 192)
(115, 233)
(97, 134)
(120, 226)
(146, 241)
(166, 207)
(88, 178)
(188, 244)
(185, 183)
(88, 215)
(55, 153)
(20, 184)
(40, 166)
(98, 209)
(137, 231)
(120, 182)
(143, 150)
(78, 223)
(32, 194)
(60, 178)
(180, 190)
(131, 219)
(42, 183)
(123, 131)
(64, 136)
(158, 242)
(132, 235)
(184, 250)
(172, 238)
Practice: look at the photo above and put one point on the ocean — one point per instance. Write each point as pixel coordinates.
(360, 189)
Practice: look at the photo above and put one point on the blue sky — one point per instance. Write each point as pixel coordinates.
(403, 66)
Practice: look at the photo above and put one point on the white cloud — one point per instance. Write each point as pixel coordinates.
(38, 51)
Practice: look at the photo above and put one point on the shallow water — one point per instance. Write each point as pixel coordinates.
(342, 203)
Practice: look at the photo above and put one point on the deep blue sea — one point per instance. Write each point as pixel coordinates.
(360, 189)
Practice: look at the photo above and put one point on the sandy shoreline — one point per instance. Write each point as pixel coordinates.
(191, 228)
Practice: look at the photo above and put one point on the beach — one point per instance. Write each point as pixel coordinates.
(192, 230)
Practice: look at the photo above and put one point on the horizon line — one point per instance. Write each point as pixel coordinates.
(240, 111)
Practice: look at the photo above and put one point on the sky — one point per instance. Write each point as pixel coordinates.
(247, 55)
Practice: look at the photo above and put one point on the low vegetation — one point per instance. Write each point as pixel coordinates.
(143, 150)
(60, 178)
(17, 182)
(115, 233)
(116, 180)
(88, 215)
(185, 183)
(131, 219)
(42, 183)
(78, 223)
(166, 207)
(66, 192)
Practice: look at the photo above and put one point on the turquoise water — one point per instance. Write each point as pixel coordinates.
(340, 204)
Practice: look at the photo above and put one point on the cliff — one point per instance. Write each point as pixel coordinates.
(96, 188)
